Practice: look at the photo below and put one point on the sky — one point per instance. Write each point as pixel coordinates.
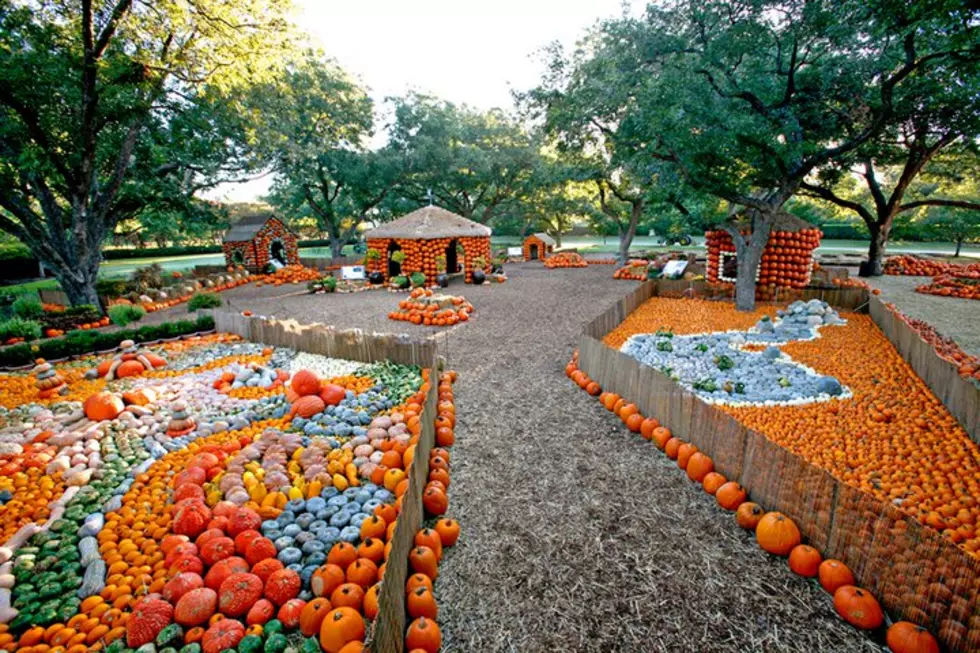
(465, 51)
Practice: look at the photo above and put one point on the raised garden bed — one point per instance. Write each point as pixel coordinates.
(845, 470)
(162, 487)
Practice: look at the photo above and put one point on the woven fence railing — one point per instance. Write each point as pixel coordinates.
(918, 574)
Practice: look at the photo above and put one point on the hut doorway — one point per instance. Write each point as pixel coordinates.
(533, 250)
(453, 256)
(394, 267)
(277, 252)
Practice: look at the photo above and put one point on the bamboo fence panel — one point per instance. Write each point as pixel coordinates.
(388, 633)
(961, 396)
(915, 572)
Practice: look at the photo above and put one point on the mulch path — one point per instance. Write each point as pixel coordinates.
(577, 535)
(952, 316)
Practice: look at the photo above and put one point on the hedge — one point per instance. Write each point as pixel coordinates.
(79, 342)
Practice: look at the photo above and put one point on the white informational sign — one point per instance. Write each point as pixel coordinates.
(352, 272)
(515, 251)
(674, 269)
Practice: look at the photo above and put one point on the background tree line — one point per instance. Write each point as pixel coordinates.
(116, 116)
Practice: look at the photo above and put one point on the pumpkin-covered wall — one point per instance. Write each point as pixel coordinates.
(421, 255)
(538, 247)
(787, 261)
(256, 240)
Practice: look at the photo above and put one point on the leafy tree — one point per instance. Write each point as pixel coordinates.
(102, 102)
(954, 224)
(316, 120)
(935, 114)
(747, 100)
(472, 162)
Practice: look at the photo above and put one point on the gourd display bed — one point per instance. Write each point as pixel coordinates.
(233, 496)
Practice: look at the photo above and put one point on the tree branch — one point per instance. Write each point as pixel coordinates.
(960, 204)
(812, 190)
(110, 27)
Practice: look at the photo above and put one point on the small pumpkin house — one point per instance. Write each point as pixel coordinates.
(423, 236)
(787, 261)
(257, 239)
(538, 246)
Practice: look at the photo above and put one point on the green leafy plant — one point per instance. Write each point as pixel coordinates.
(113, 287)
(479, 262)
(18, 327)
(708, 385)
(80, 342)
(28, 306)
(372, 255)
(724, 363)
(418, 279)
(400, 281)
(203, 300)
(441, 264)
(665, 345)
(123, 314)
(701, 347)
(398, 257)
(329, 283)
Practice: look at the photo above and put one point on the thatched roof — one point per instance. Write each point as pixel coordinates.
(429, 222)
(545, 238)
(247, 227)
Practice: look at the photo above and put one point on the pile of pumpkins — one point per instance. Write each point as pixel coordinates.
(775, 533)
(565, 260)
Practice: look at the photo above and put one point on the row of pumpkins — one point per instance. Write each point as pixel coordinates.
(775, 533)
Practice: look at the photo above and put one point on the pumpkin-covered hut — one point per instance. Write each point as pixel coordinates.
(423, 236)
(787, 261)
(538, 246)
(256, 240)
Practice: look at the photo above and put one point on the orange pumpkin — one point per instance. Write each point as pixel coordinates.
(103, 406)
(858, 608)
(777, 533)
(907, 637)
(423, 634)
(340, 627)
(834, 574)
(312, 616)
(731, 495)
(804, 560)
(448, 530)
(307, 406)
(305, 383)
(748, 515)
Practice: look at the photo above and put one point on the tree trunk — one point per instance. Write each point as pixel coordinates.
(336, 247)
(959, 246)
(876, 250)
(626, 237)
(79, 284)
(557, 239)
(749, 253)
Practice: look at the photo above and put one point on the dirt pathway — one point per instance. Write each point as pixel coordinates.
(579, 536)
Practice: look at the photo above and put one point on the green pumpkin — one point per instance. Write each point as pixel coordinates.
(191, 648)
(250, 644)
(276, 643)
(272, 627)
(171, 636)
(310, 645)
(117, 646)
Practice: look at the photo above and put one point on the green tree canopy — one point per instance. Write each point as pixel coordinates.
(103, 102)
(472, 162)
